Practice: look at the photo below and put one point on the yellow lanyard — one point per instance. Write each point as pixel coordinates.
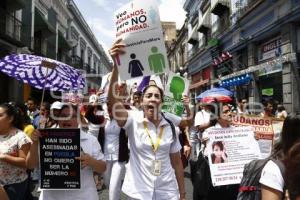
(156, 146)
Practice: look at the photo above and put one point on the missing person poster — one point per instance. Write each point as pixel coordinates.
(263, 130)
(229, 149)
(176, 87)
(138, 24)
(59, 168)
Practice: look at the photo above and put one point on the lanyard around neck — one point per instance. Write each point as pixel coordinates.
(154, 146)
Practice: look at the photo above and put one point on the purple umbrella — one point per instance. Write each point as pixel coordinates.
(42, 73)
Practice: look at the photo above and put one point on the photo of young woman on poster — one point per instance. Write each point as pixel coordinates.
(219, 155)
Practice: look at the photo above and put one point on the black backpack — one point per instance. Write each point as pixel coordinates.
(250, 188)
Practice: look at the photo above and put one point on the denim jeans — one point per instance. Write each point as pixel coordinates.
(16, 191)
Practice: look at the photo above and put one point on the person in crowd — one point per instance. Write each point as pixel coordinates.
(137, 95)
(202, 118)
(32, 111)
(14, 146)
(114, 143)
(184, 138)
(3, 195)
(54, 113)
(94, 115)
(28, 127)
(272, 180)
(268, 109)
(281, 112)
(218, 155)
(242, 106)
(223, 120)
(292, 163)
(91, 159)
(154, 170)
(43, 120)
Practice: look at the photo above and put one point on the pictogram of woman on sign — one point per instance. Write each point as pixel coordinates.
(135, 67)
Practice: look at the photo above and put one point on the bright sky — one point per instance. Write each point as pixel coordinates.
(99, 16)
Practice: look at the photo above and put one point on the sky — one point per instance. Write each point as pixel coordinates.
(99, 16)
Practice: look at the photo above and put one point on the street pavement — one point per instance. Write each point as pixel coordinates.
(103, 194)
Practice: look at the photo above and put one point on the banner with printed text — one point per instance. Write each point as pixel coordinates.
(228, 151)
(59, 168)
(138, 24)
(263, 130)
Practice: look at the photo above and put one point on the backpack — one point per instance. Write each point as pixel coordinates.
(250, 188)
(172, 126)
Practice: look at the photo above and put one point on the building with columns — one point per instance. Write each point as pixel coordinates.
(53, 29)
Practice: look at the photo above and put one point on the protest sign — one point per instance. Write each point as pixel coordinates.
(58, 149)
(263, 130)
(138, 24)
(175, 88)
(228, 151)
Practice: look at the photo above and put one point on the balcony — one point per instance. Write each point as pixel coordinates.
(11, 28)
(246, 8)
(218, 7)
(63, 42)
(42, 24)
(193, 36)
(87, 68)
(205, 22)
(15, 4)
(76, 62)
(219, 27)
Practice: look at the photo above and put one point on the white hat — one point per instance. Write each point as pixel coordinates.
(93, 98)
(56, 105)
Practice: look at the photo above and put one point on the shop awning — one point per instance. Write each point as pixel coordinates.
(236, 81)
(198, 84)
(42, 24)
(291, 57)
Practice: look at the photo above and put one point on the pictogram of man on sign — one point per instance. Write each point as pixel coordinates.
(156, 61)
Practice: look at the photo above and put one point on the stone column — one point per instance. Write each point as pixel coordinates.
(290, 77)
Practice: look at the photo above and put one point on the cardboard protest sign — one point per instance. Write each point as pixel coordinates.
(262, 128)
(228, 151)
(58, 149)
(175, 88)
(138, 24)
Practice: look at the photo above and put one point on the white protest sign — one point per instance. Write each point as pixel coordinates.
(138, 24)
(229, 149)
(175, 88)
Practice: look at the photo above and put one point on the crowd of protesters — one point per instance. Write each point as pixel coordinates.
(138, 150)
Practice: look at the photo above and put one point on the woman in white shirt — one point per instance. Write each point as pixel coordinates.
(154, 170)
(272, 180)
(14, 146)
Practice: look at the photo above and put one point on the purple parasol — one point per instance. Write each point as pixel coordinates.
(42, 73)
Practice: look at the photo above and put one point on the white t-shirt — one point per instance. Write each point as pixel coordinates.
(91, 146)
(111, 143)
(139, 182)
(272, 177)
